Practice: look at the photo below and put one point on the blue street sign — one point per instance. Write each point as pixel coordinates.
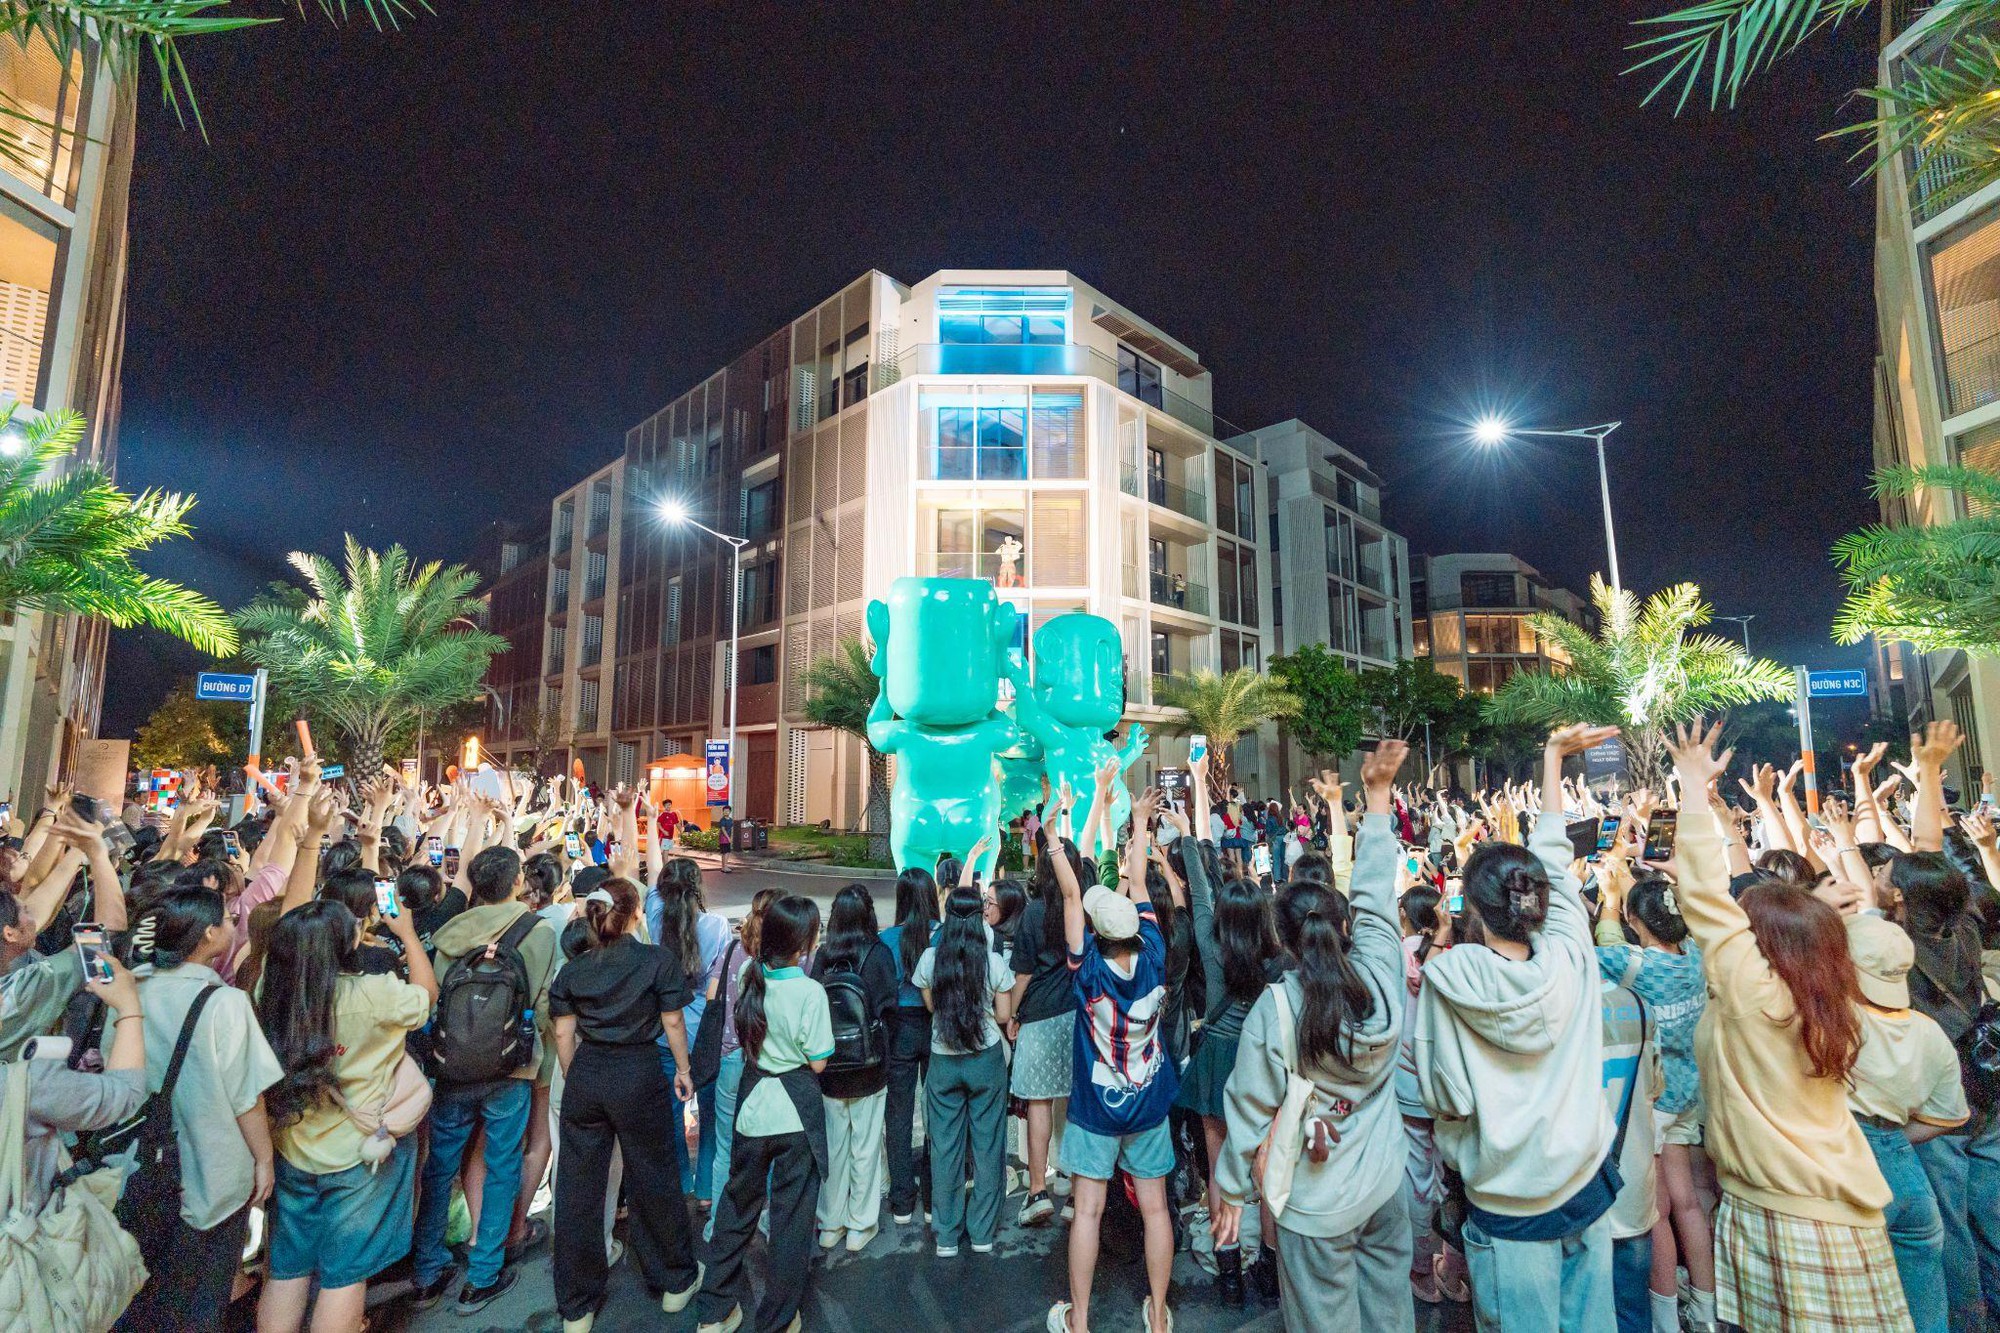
(1851, 684)
(214, 685)
(330, 771)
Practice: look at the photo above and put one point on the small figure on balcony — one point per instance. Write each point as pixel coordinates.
(1076, 700)
(1009, 553)
(940, 650)
(1180, 592)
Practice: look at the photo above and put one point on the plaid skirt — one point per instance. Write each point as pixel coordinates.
(1776, 1272)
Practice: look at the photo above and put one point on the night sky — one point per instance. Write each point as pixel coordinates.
(416, 282)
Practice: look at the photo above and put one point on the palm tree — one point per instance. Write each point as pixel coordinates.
(1942, 109)
(1643, 671)
(840, 690)
(372, 644)
(1223, 706)
(67, 538)
(1934, 587)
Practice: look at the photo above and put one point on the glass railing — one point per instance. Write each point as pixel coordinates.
(1043, 359)
(1168, 495)
(1174, 590)
(980, 565)
(1972, 374)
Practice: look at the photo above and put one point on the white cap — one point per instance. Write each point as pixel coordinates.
(1112, 915)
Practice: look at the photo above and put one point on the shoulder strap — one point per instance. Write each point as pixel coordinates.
(185, 1040)
(1288, 1033)
(13, 1147)
(521, 928)
(1632, 1088)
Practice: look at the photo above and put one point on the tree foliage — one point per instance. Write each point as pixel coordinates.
(1644, 670)
(840, 690)
(372, 645)
(1224, 707)
(68, 536)
(186, 732)
(1935, 586)
(1413, 692)
(1333, 711)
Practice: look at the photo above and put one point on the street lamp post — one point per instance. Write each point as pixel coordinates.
(676, 514)
(1743, 622)
(1492, 430)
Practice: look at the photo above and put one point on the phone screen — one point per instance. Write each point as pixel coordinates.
(1455, 904)
(1607, 833)
(1660, 831)
(573, 845)
(89, 939)
(1260, 859)
(231, 843)
(1415, 865)
(451, 863)
(434, 848)
(385, 898)
(1197, 747)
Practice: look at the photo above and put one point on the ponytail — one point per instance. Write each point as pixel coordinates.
(1336, 998)
(786, 931)
(609, 911)
(1506, 884)
(173, 925)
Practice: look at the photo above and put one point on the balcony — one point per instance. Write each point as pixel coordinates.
(1170, 590)
(1042, 359)
(1158, 490)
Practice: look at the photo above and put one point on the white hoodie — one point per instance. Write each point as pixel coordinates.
(1510, 1055)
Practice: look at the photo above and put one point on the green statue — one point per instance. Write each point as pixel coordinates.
(1078, 696)
(1021, 769)
(941, 648)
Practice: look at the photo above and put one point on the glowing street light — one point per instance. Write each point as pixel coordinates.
(1490, 430)
(674, 513)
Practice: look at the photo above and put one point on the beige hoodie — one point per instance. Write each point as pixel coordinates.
(1510, 1055)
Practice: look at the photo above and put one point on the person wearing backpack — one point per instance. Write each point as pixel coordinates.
(341, 1212)
(970, 992)
(609, 1003)
(860, 980)
(214, 1113)
(494, 963)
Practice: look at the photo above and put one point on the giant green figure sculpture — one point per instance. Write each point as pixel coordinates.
(941, 647)
(1077, 697)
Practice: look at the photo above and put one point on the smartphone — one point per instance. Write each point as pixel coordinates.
(573, 845)
(90, 808)
(1660, 831)
(434, 848)
(1607, 833)
(450, 866)
(385, 898)
(231, 843)
(1197, 748)
(91, 949)
(1455, 904)
(118, 839)
(1260, 860)
(6, 811)
(1415, 865)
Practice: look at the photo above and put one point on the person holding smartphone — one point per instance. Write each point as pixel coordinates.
(63, 1101)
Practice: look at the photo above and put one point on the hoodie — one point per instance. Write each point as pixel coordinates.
(1365, 1169)
(1510, 1055)
(477, 927)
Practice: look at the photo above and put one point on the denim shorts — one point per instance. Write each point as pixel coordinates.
(344, 1227)
(1145, 1155)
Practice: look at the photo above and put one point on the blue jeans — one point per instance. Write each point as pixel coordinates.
(1541, 1286)
(1964, 1173)
(1632, 1282)
(695, 1175)
(729, 1076)
(1916, 1229)
(503, 1106)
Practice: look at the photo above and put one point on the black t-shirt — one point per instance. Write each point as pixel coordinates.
(429, 921)
(1048, 994)
(618, 992)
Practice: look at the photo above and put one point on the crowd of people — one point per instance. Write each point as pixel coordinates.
(1509, 1049)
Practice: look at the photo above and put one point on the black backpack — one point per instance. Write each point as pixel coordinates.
(860, 1040)
(151, 1203)
(485, 1027)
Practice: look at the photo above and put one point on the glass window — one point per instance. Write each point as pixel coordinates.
(949, 422)
(1163, 653)
(1003, 437)
(980, 316)
(1139, 377)
(42, 103)
(1057, 440)
(760, 665)
(1225, 563)
(1488, 589)
(1966, 272)
(1057, 550)
(1450, 635)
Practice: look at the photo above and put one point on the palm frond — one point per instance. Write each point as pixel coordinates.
(1223, 705)
(1729, 41)
(1943, 112)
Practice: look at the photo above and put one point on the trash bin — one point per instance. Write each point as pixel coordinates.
(757, 835)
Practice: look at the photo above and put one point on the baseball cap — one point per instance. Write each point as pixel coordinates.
(1882, 955)
(1112, 915)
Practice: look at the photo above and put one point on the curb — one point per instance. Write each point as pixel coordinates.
(818, 870)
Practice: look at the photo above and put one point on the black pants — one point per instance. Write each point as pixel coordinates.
(190, 1276)
(618, 1094)
(909, 1057)
(786, 1162)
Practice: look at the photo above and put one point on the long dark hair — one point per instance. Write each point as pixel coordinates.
(1247, 931)
(1805, 943)
(916, 913)
(1049, 891)
(310, 947)
(1420, 908)
(1509, 889)
(171, 926)
(680, 909)
(609, 922)
(1650, 902)
(959, 994)
(1934, 892)
(786, 931)
(1336, 999)
(1161, 895)
(850, 930)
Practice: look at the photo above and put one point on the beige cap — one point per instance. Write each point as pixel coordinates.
(1883, 956)
(1112, 915)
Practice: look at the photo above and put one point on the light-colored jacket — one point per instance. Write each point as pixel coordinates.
(1510, 1055)
(1365, 1168)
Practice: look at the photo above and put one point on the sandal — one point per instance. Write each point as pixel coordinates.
(536, 1233)
(1454, 1290)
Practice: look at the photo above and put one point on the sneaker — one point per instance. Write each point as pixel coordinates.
(904, 1219)
(729, 1323)
(582, 1325)
(987, 1248)
(1058, 1320)
(831, 1237)
(1069, 1209)
(1038, 1209)
(471, 1299)
(673, 1302)
(857, 1241)
(947, 1251)
(426, 1294)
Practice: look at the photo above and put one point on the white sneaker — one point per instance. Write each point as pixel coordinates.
(947, 1251)
(831, 1238)
(1058, 1320)
(857, 1241)
(983, 1249)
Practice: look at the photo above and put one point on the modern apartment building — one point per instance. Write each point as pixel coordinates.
(1015, 426)
(1937, 369)
(62, 339)
(517, 603)
(1470, 617)
(1339, 577)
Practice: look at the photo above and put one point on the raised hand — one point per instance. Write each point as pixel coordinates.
(1864, 764)
(1839, 821)
(1378, 773)
(1977, 826)
(1935, 745)
(1762, 784)
(1693, 751)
